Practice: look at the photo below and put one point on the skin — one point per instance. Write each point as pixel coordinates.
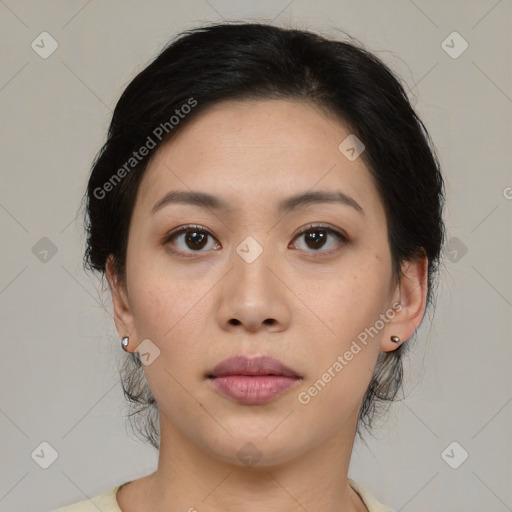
(299, 304)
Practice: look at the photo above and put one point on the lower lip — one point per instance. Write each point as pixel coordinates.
(253, 390)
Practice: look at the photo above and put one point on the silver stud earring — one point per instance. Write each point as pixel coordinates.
(395, 339)
(124, 343)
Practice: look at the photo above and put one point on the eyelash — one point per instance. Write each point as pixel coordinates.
(342, 237)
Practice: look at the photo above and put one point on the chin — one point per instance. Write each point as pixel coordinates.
(257, 450)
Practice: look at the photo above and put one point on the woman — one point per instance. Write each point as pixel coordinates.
(267, 210)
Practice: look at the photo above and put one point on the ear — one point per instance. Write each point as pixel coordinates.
(123, 317)
(410, 297)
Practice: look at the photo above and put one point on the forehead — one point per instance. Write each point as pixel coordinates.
(253, 153)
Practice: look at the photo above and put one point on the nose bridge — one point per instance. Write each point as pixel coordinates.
(254, 251)
(253, 267)
(253, 295)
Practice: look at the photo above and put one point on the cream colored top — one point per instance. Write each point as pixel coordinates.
(107, 501)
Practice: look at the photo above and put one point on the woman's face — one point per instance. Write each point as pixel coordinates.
(247, 283)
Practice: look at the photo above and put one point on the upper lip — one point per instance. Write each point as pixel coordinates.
(259, 365)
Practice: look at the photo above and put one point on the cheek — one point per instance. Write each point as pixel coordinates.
(157, 301)
(166, 311)
(349, 304)
(350, 298)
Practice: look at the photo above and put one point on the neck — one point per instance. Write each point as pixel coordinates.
(190, 478)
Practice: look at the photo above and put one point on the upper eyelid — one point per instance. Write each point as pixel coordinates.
(336, 231)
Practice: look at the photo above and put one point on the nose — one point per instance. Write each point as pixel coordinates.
(253, 295)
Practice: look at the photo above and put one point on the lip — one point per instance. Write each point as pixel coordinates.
(245, 365)
(252, 380)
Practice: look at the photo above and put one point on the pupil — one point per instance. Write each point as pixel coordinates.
(317, 238)
(193, 237)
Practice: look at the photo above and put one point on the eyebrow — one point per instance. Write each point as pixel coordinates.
(302, 200)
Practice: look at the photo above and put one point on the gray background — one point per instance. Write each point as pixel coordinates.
(58, 370)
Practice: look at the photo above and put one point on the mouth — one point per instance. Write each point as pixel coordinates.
(252, 381)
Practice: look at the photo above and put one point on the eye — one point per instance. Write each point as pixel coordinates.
(195, 238)
(317, 236)
(192, 237)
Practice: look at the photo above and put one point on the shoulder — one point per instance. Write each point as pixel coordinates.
(106, 502)
(371, 503)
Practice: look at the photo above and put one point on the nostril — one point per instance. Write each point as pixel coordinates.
(234, 321)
